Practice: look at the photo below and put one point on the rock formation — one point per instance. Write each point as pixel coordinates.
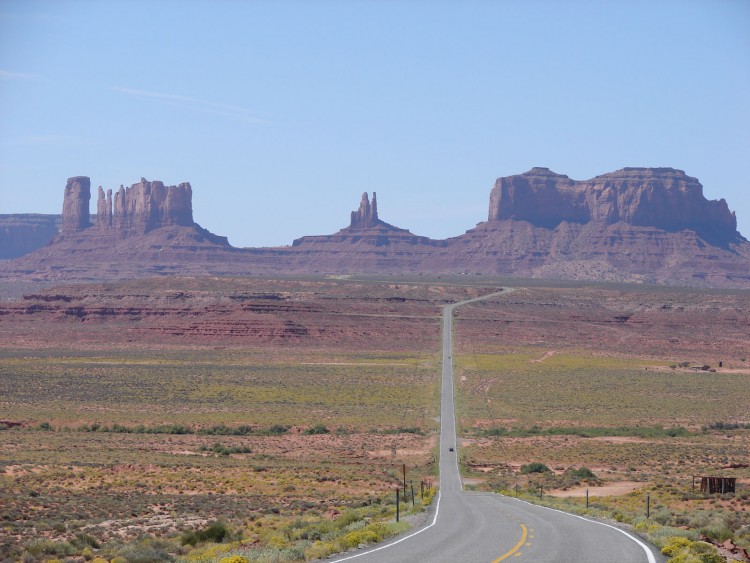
(664, 198)
(638, 225)
(367, 215)
(104, 210)
(24, 233)
(75, 214)
(145, 206)
(366, 229)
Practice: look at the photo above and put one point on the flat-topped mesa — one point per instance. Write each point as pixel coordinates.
(367, 215)
(538, 196)
(75, 214)
(145, 206)
(664, 198)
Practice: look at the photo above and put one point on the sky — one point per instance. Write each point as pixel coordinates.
(282, 113)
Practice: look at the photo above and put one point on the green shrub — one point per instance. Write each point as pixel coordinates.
(219, 448)
(223, 430)
(347, 518)
(319, 550)
(359, 537)
(683, 550)
(189, 538)
(717, 532)
(534, 467)
(215, 532)
(49, 547)
(276, 430)
(582, 473)
(675, 546)
(317, 429)
(84, 540)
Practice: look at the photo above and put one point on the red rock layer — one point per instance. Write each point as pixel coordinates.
(664, 198)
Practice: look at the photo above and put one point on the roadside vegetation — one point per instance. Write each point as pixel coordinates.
(686, 527)
(554, 462)
(133, 439)
(259, 537)
(200, 455)
(587, 410)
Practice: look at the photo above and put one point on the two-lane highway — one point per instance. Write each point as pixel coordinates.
(485, 527)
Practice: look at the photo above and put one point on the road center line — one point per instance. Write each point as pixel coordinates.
(524, 533)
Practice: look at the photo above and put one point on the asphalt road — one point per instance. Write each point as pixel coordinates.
(485, 527)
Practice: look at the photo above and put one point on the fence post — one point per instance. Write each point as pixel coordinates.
(398, 508)
(411, 484)
(648, 506)
(587, 498)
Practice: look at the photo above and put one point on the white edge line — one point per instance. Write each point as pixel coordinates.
(649, 553)
(434, 520)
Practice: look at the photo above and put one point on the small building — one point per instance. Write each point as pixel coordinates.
(716, 485)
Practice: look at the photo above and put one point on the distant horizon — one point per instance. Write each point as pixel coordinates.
(284, 112)
(370, 194)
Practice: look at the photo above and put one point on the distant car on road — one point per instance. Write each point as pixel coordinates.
(450, 449)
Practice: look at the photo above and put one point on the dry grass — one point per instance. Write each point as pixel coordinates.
(597, 378)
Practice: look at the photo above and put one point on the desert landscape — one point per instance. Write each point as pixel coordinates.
(272, 418)
(285, 409)
(382, 282)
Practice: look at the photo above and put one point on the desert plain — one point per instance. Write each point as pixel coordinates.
(199, 418)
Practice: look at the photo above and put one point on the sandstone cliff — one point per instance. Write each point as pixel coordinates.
(664, 198)
(643, 225)
(24, 233)
(75, 214)
(145, 206)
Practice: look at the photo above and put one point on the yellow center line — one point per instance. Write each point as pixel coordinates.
(524, 533)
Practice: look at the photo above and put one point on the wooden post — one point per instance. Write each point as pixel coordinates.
(587, 498)
(541, 490)
(398, 508)
(404, 480)
(411, 484)
(648, 506)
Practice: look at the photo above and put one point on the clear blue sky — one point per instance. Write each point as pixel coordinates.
(282, 113)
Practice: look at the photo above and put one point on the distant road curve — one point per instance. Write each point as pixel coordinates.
(474, 527)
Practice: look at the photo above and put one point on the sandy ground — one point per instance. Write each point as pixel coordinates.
(608, 490)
